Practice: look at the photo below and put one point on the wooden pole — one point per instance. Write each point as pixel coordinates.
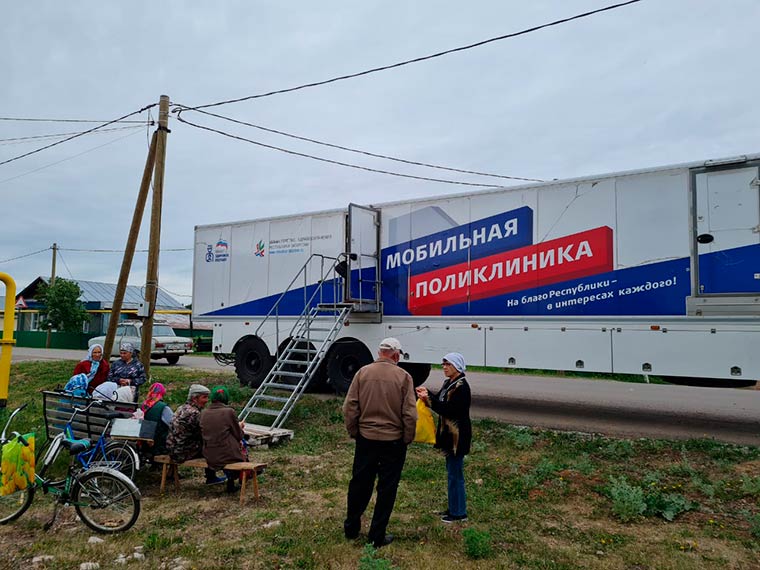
(151, 279)
(52, 282)
(129, 252)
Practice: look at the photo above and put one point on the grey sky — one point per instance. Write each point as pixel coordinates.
(655, 83)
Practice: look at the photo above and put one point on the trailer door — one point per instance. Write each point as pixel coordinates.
(727, 230)
(363, 247)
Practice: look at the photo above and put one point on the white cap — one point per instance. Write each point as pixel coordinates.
(390, 343)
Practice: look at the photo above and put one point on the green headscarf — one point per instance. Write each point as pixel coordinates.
(220, 394)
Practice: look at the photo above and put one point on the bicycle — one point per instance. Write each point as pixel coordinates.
(106, 500)
(117, 455)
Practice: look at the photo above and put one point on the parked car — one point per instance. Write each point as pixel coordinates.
(165, 343)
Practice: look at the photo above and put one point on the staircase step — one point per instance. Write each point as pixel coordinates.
(288, 374)
(264, 411)
(278, 386)
(303, 350)
(271, 398)
(296, 362)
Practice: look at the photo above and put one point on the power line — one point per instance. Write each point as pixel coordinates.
(336, 162)
(21, 140)
(364, 152)
(77, 135)
(37, 120)
(419, 59)
(121, 250)
(165, 290)
(25, 255)
(66, 265)
(68, 158)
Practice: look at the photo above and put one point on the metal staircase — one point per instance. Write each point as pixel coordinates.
(313, 333)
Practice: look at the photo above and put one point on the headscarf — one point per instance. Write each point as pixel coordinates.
(77, 385)
(94, 364)
(456, 360)
(128, 347)
(106, 391)
(220, 394)
(155, 394)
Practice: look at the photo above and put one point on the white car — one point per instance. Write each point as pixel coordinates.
(165, 344)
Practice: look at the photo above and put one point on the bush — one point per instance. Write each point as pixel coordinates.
(477, 543)
(627, 500)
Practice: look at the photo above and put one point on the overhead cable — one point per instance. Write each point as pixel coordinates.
(419, 59)
(36, 120)
(367, 153)
(329, 161)
(162, 250)
(25, 255)
(19, 140)
(69, 157)
(77, 135)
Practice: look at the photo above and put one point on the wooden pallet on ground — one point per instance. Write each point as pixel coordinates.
(259, 435)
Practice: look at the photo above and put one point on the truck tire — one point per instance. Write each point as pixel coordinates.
(709, 382)
(419, 371)
(252, 361)
(343, 359)
(172, 359)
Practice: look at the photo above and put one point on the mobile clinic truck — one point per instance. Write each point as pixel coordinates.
(644, 272)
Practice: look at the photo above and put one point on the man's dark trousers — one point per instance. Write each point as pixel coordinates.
(374, 458)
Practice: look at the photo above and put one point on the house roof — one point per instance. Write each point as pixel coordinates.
(103, 293)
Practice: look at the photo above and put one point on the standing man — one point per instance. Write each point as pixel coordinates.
(381, 415)
(185, 440)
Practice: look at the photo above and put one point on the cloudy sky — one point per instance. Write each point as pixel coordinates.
(654, 83)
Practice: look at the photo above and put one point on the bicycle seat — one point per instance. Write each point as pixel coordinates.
(76, 445)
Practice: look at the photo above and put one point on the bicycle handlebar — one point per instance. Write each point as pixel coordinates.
(10, 418)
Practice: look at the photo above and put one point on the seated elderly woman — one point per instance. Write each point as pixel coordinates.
(156, 410)
(127, 370)
(222, 434)
(94, 367)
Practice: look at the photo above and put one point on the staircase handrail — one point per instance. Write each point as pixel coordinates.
(275, 307)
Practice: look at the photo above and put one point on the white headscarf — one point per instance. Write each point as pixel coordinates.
(456, 360)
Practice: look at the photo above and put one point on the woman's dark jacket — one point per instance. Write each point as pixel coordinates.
(452, 404)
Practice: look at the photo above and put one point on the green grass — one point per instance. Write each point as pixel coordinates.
(536, 499)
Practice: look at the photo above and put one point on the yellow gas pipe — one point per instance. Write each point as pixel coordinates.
(7, 342)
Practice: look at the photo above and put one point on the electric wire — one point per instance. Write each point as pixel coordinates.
(165, 290)
(419, 59)
(35, 151)
(23, 140)
(364, 152)
(66, 265)
(24, 255)
(162, 250)
(38, 120)
(69, 157)
(336, 162)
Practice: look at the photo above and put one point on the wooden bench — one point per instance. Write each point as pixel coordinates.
(200, 463)
(59, 406)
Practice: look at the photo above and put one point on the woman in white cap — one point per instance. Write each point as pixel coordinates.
(127, 370)
(454, 433)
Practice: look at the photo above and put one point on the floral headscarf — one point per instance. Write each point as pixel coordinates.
(155, 394)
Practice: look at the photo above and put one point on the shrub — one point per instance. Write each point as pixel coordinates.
(477, 543)
(627, 500)
(369, 560)
(754, 525)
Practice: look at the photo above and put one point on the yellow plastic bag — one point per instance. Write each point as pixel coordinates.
(17, 465)
(425, 432)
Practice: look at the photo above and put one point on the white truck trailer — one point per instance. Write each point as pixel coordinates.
(652, 271)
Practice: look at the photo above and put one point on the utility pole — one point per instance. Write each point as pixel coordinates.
(129, 252)
(151, 279)
(52, 282)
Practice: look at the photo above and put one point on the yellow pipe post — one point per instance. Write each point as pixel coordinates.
(7, 342)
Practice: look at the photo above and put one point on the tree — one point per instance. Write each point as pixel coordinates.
(63, 309)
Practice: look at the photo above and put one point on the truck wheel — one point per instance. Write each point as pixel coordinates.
(252, 361)
(172, 359)
(709, 382)
(419, 371)
(344, 358)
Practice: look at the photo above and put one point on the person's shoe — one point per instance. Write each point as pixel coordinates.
(215, 480)
(453, 518)
(351, 535)
(387, 539)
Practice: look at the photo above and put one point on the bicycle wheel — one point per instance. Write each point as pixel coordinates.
(106, 500)
(118, 455)
(14, 505)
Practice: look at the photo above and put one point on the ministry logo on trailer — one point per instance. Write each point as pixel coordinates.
(259, 249)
